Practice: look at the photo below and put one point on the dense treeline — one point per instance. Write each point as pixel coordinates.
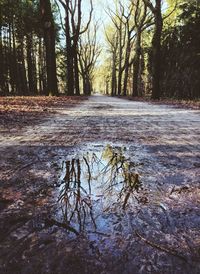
(21, 45)
(152, 48)
(181, 54)
(27, 48)
(33, 59)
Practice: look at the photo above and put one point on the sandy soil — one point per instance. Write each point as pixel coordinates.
(156, 233)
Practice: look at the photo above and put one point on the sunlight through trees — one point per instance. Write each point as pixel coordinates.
(139, 48)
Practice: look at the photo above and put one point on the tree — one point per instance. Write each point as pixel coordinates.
(180, 54)
(142, 21)
(73, 32)
(49, 38)
(121, 43)
(23, 51)
(88, 52)
(130, 28)
(156, 46)
(118, 46)
(112, 40)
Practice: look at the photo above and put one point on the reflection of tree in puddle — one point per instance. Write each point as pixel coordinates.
(74, 197)
(120, 172)
(95, 182)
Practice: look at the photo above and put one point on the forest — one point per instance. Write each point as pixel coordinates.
(53, 47)
(99, 136)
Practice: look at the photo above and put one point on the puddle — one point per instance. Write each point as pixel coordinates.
(96, 189)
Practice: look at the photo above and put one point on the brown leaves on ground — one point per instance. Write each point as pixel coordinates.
(191, 104)
(24, 110)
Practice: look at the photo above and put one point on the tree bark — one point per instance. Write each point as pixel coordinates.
(114, 77)
(69, 52)
(156, 51)
(2, 80)
(76, 72)
(49, 39)
(126, 66)
(29, 46)
(136, 64)
(120, 72)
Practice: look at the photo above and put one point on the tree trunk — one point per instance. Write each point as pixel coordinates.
(49, 39)
(156, 51)
(76, 73)
(126, 66)
(40, 65)
(23, 85)
(11, 61)
(69, 51)
(120, 61)
(88, 85)
(114, 80)
(136, 64)
(6, 63)
(29, 45)
(2, 80)
(15, 61)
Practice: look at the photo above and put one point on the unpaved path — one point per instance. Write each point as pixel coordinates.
(157, 233)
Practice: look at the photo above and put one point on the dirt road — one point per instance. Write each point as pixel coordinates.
(108, 186)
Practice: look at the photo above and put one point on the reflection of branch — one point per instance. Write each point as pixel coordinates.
(73, 202)
(112, 185)
(110, 163)
(126, 198)
(91, 213)
(67, 178)
(89, 173)
(51, 222)
(75, 195)
(99, 233)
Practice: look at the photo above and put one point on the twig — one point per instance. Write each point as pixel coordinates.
(126, 199)
(99, 233)
(162, 248)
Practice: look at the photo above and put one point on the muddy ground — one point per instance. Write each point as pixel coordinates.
(99, 185)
